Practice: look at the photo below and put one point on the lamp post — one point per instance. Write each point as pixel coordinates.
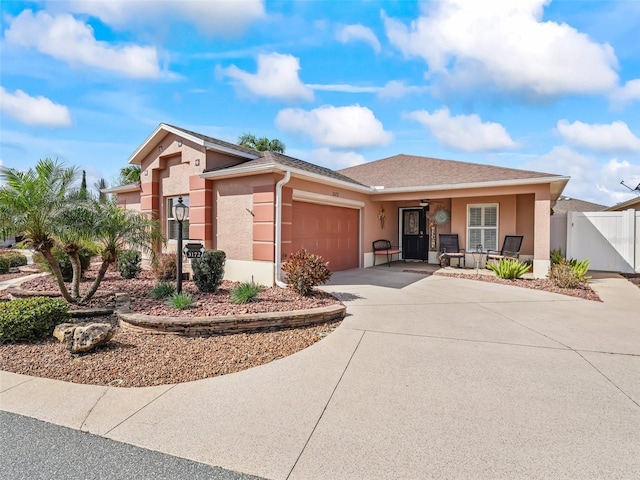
(180, 212)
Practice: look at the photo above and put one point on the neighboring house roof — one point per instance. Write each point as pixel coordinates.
(633, 203)
(566, 204)
(129, 187)
(208, 143)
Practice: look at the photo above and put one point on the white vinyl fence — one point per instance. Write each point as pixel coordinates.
(610, 240)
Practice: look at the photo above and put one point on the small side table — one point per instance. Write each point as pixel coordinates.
(477, 258)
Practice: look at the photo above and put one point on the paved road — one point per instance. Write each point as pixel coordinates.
(31, 449)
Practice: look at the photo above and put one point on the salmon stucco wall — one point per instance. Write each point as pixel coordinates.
(129, 200)
(234, 213)
(525, 206)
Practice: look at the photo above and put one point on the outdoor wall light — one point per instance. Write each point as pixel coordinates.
(160, 148)
(197, 162)
(179, 143)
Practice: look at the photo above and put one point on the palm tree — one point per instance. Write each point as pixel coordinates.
(116, 229)
(33, 200)
(262, 144)
(130, 174)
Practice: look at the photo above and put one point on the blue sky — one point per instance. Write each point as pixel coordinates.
(532, 84)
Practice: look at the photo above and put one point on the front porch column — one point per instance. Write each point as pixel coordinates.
(201, 210)
(542, 234)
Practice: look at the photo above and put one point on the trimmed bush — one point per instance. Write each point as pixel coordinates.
(165, 266)
(305, 271)
(129, 263)
(162, 290)
(64, 261)
(245, 292)
(27, 318)
(16, 259)
(508, 268)
(208, 271)
(181, 301)
(5, 265)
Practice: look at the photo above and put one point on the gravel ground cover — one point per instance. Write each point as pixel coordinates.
(138, 360)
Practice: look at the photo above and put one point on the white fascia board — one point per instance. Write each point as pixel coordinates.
(242, 171)
(129, 187)
(461, 186)
(321, 199)
(180, 133)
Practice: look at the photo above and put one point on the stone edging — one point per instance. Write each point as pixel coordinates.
(229, 324)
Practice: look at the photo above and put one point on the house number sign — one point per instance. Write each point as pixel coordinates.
(193, 250)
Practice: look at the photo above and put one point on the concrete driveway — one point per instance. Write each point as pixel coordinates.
(427, 377)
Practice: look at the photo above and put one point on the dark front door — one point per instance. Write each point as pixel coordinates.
(415, 239)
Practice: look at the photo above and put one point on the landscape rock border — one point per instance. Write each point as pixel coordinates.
(229, 324)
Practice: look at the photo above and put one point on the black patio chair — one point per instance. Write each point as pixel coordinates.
(450, 248)
(510, 248)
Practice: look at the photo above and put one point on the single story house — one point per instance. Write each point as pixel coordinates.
(631, 204)
(567, 204)
(258, 207)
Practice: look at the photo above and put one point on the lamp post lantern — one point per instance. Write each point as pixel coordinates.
(180, 212)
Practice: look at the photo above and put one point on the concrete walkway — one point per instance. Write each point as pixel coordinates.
(427, 377)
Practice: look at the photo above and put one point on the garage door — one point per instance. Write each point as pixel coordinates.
(328, 231)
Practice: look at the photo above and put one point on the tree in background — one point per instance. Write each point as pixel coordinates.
(130, 174)
(99, 186)
(82, 193)
(262, 144)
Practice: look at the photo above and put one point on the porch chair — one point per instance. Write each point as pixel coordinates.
(510, 248)
(450, 248)
(384, 247)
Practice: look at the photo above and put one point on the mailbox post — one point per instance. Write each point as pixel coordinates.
(180, 212)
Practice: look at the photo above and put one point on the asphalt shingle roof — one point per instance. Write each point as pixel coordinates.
(414, 171)
(216, 141)
(566, 204)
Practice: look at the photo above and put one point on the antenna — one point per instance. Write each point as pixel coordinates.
(637, 189)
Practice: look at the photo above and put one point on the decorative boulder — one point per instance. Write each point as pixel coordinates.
(64, 331)
(88, 337)
(84, 337)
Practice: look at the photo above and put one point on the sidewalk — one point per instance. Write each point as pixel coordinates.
(426, 377)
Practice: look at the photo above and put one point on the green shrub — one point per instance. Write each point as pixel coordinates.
(556, 256)
(165, 266)
(208, 271)
(16, 259)
(305, 270)
(245, 292)
(64, 261)
(180, 301)
(35, 317)
(129, 263)
(569, 273)
(163, 289)
(5, 265)
(508, 268)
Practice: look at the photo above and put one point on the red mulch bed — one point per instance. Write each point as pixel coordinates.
(584, 290)
(272, 299)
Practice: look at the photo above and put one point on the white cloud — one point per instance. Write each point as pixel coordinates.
(65, 38)
(277, 77)
(33, 110)
(396, 89)
(591, 180)
(209, 16)
(463, 132)
(335, 159)
(357, 32)
(630, 93)
(613, 137)
(339, 127)
(343, 88)
(507, 44)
